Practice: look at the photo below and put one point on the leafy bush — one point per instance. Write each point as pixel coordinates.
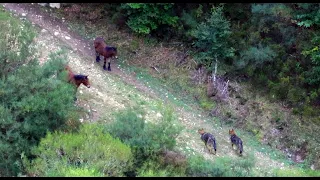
(143, 18)
(33, 99)
(64, 154)
(15, 38)
(296, 95)
(199, 167)
(221, 167)
(313, 76)
(295, 173)
(256, 56)
(75, 172)
(146, 139)
(152, 168)
(308, 14)
(211, 39)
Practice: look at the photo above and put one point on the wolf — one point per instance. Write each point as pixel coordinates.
(209, 140)
(235, 140)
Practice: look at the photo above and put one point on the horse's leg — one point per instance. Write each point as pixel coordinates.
(97, 57)
(109, 61)
(104, 63)
(75, 94)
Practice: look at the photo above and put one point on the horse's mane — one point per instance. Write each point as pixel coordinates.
(109, 48)
(79, 77)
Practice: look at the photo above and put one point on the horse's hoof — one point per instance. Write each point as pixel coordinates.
(109, 69)
(98, 59)
(105, 68)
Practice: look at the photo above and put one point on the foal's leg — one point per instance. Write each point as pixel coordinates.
(97, 57)
(104, 64)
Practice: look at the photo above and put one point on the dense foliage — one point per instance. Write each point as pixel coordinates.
(33, 98)
(89, 152)
(269, 43)
(147, 140)
(144, 18)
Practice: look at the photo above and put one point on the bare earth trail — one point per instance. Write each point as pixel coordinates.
(113, 90)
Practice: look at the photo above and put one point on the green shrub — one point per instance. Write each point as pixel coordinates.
(75, 172)
(308, 111)
(143, 18)
(206, 104)
(211, 39)
(295, 95)
(221, 167)
(61, 154)
(15, 40)
(153, 168)
(146, 139)
(199, 167)
(33, 98)
(295, 173)
(256, 56)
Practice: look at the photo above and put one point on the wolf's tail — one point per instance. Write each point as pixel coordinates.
(240, 146)
(214, 144)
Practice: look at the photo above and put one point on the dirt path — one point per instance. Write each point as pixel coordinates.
(77, 43)
(108, 93)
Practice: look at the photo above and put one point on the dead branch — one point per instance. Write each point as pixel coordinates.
(153, 67)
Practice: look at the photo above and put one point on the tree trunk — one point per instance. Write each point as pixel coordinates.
(215, 70)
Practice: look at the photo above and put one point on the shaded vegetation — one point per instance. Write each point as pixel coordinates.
(91, 151)
(33, 99)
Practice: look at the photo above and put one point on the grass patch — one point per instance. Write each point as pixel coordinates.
(297, 172)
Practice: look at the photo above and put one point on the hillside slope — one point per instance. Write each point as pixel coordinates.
(111, 91)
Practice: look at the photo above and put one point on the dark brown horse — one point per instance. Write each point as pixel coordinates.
(77, 80)
(105, 51)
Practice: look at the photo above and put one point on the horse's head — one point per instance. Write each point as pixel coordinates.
(201, 131)
(81, 79)
(231, 132)
(98, 42)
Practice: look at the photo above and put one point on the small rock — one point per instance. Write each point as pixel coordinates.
(159, 115)
(24, 14)
(80, 91)
(43, 30)
(81, 120)
(67, 37)
(56, 33)
(312, 167)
